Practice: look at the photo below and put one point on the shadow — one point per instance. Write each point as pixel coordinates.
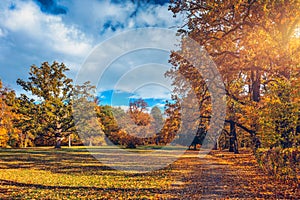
(219, 175)
(54, 161)
(39, 186)
(65, 161)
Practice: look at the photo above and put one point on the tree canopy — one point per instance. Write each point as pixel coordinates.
(256, 49)
(53, 91)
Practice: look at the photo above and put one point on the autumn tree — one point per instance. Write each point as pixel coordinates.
(3, 131)
(120, 128)
(9, 134)
(137, 112)
(253, 44)
(53, 91)
(110, 126)
(279, 116)
(106, 116)
(172, 122)
(84, 111)
(28, 120)
(158, 120)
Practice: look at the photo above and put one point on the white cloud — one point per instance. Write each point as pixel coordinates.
(45, 30)
(94, 15)
(29, 36)
(156, 15)
(160, 105)
(123, 107)
(2, 33)
(130, 60)
(152, 91)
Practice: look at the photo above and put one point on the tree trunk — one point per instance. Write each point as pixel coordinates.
(70, 141)
(58, 143)
(58, 134)
(255, 78)
(255, 139)
(26, 141)
(215, 146)
(233, 144)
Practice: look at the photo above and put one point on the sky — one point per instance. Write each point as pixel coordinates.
(34, 31)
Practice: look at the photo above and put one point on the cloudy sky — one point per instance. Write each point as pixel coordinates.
(34, 31)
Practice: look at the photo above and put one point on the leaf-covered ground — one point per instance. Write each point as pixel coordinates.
(223, 175)
(44, 173)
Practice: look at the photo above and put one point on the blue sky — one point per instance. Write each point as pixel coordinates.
(34, 31)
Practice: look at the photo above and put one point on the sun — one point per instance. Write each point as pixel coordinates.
(297, 32)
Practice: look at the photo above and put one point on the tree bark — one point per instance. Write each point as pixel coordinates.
(233, 144)
(58, 143)
(26, 141)
(216, 145)
(255, 77)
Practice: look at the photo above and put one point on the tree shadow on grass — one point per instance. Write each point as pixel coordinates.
(40, 186)
(54, 161)
(24, 189)
(66, 161)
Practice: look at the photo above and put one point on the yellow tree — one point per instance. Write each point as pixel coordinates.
(253, 44)
(9, 134)
(3, 132)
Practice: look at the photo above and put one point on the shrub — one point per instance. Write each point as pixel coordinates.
(281, 163)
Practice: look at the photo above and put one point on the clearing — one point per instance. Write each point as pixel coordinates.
(72, 173)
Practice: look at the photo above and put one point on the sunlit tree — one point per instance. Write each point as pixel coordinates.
(53, 91)
(9, 134)
(254, 44)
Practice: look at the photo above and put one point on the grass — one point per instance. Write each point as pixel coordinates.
(72, 173)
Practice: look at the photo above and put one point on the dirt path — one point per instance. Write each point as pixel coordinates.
(223, 175)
